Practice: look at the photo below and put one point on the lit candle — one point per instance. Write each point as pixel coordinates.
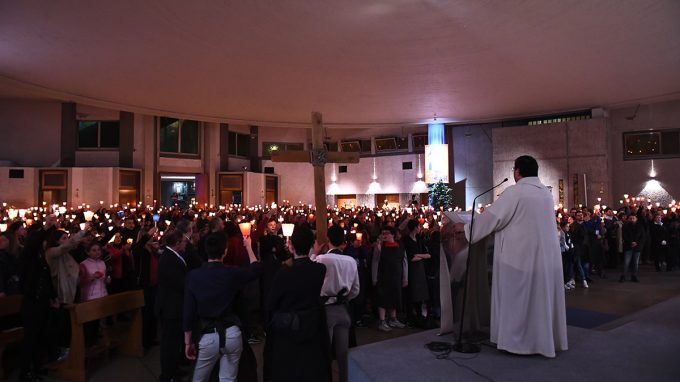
(287, 229)
(3, 227)
(88, 215)
(82, 226)
(360, 236)
(245, 229)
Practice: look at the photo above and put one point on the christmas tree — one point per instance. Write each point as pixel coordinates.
(441, 195)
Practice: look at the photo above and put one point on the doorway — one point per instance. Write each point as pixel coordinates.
(128, 189)
(53, 187)
(346, 201)
(271, 189)
(178, 190)
(231, 189)
(387, 200)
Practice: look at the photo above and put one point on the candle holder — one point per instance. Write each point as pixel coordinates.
(88, 215)
(287, 229)
(245, 229)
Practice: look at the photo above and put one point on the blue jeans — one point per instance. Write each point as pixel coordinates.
(209, 354)
(580, 268)
(628, 255)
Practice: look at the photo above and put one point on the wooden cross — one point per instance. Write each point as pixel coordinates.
(318, 156)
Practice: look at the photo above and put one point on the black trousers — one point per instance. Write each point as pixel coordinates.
(172, 347)
(35, 316)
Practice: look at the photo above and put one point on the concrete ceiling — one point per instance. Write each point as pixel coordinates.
(362, 62)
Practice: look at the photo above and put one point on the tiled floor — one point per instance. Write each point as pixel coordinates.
(604, 295)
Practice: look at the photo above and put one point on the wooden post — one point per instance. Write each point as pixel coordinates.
(318, 156)
(319, 180)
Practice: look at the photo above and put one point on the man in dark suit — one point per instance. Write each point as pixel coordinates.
(172, 271)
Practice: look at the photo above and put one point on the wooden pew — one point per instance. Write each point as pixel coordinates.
(9, 306)
(73, 368)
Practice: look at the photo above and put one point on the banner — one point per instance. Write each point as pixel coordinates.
(436, 163)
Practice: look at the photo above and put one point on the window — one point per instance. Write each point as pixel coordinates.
(268, 147)
(651, 144)
(16, 173)
(179, 136)
(407, 165)
(331, 146)
(98, 134)
(239, 144)
(385, 144)
(402, 143)
(365, 146)
(670, 143)
(419, 142)
(351, 146)
(559, 119)
(342, 169)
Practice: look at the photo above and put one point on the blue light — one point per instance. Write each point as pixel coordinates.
(435, 134)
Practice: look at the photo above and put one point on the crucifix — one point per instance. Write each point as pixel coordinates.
(318, 156)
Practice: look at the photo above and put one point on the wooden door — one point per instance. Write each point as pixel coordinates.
(231, 189)
(271, 189)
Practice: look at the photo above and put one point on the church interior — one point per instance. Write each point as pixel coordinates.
(347, 113)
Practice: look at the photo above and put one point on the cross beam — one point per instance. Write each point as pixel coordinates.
(318, 156)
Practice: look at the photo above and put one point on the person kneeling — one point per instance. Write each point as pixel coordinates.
(209, 320)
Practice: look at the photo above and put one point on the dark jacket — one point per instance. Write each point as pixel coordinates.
(633, 232)
(172, 273)
(142, 260)
(658, 235)
(210, 291)
(9, 273)
(302, 354)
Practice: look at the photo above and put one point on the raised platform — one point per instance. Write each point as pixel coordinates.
(642, 347)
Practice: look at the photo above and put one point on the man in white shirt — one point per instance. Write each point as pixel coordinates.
(340, 285)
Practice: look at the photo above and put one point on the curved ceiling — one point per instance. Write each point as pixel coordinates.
(358, 62)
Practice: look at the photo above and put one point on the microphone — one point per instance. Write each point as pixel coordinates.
(459, 346)
(473, 202)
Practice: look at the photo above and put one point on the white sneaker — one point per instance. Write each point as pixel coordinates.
(383, 327)
(63, 354)
(394, 323)
(572, 283)
(567, 286)
(585, 284)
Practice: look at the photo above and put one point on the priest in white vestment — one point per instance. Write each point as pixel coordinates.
(528, 314)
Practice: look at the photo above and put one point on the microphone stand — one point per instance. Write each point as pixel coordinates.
(460, 346)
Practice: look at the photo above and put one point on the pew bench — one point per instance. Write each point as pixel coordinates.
(74, 367)
(9, 306)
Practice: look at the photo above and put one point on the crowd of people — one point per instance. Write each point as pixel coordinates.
(600, 240)
(214, 289)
